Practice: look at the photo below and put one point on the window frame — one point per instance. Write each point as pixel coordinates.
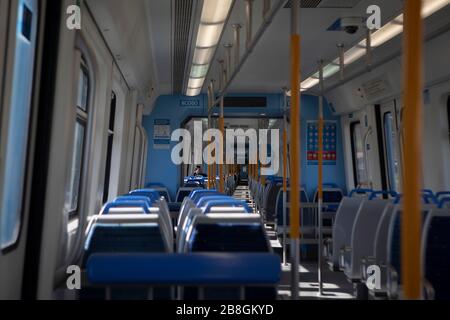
(110, 147)
(82, 118)
(354, 154)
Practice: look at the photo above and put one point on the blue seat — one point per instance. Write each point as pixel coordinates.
(199, 269)
(445, 202)
(197, 194)
(360, 192)
(151, 193)
(185, 192)
(225, 203)
(394, 240)
(388, 193)
(436, 255)
(140, 205)
(279, 205)
(442, 194)
(131, 198)
(230, 235)
(125, 234)
(211, 197)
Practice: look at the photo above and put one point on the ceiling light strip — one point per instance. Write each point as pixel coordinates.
(389, 31)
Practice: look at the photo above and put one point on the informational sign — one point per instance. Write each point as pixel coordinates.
(189, 103)
(329, 142)
(161, 134)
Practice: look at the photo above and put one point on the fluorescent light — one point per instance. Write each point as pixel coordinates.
(215, 11)
(386, 33)
(192, 92)
(354, 54)
(328, 70)
(203, 55)
(389, 31)
(309, 83)
(209, 35)
(431, 6)
(212, 22)
(199, 71)
(196, 82)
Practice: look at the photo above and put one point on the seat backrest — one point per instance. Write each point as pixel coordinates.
(126, 207)
(436, 252)
(126, 234)
(330, 195)
(227, 233)
(163, 192)
(150, 193)
(184, 192)
(363, 233)
(271, 202)
(211, 197)
(225, 203)
(444, 203)
(342, 229)
(381, 235)
(199, 193)
(131, 198)
(360, 193)
(394, 236)
(442, 194)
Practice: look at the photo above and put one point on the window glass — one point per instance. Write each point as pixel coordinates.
(359, 158)
(75, 174)
(392, 156)
(83, 88)
(18, 122)
(112, 118)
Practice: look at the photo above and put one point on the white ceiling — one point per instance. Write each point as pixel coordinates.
(139, 33)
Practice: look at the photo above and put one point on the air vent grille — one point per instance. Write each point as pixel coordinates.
(182, 26)
(304, 4)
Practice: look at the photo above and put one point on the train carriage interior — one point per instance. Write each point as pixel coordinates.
(225, 150)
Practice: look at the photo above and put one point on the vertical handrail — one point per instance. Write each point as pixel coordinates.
(320, 177)
(411, 216)
(222, 130)
(295, 148)
(284, 177)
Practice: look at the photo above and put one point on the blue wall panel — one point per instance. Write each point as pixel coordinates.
(178, 108)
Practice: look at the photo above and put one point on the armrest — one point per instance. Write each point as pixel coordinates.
(428, 290)
(365, 263)
(345, 251)
(392, 283)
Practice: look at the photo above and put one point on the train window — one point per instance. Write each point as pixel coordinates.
(112, 118)
(15, 140)
(359, 158)
(392, 157)
(73, 192)
(448, 115)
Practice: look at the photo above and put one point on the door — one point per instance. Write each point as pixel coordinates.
(15, 140)
(390, 126)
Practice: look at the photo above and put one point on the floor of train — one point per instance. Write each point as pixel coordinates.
(335, 284)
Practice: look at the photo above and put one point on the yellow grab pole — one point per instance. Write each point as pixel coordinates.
(222, 147)
(295, 147)
(411, 216)
(210, 98)
(320, 177)
(285, 172)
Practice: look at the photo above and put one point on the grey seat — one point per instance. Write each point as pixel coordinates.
(342, 229)
(363, 235)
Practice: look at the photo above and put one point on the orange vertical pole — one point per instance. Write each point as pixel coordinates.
(295, 147)
(222, 145)
(411, 216)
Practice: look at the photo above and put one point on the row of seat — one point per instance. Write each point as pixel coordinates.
(367, 232)
(138, 226)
